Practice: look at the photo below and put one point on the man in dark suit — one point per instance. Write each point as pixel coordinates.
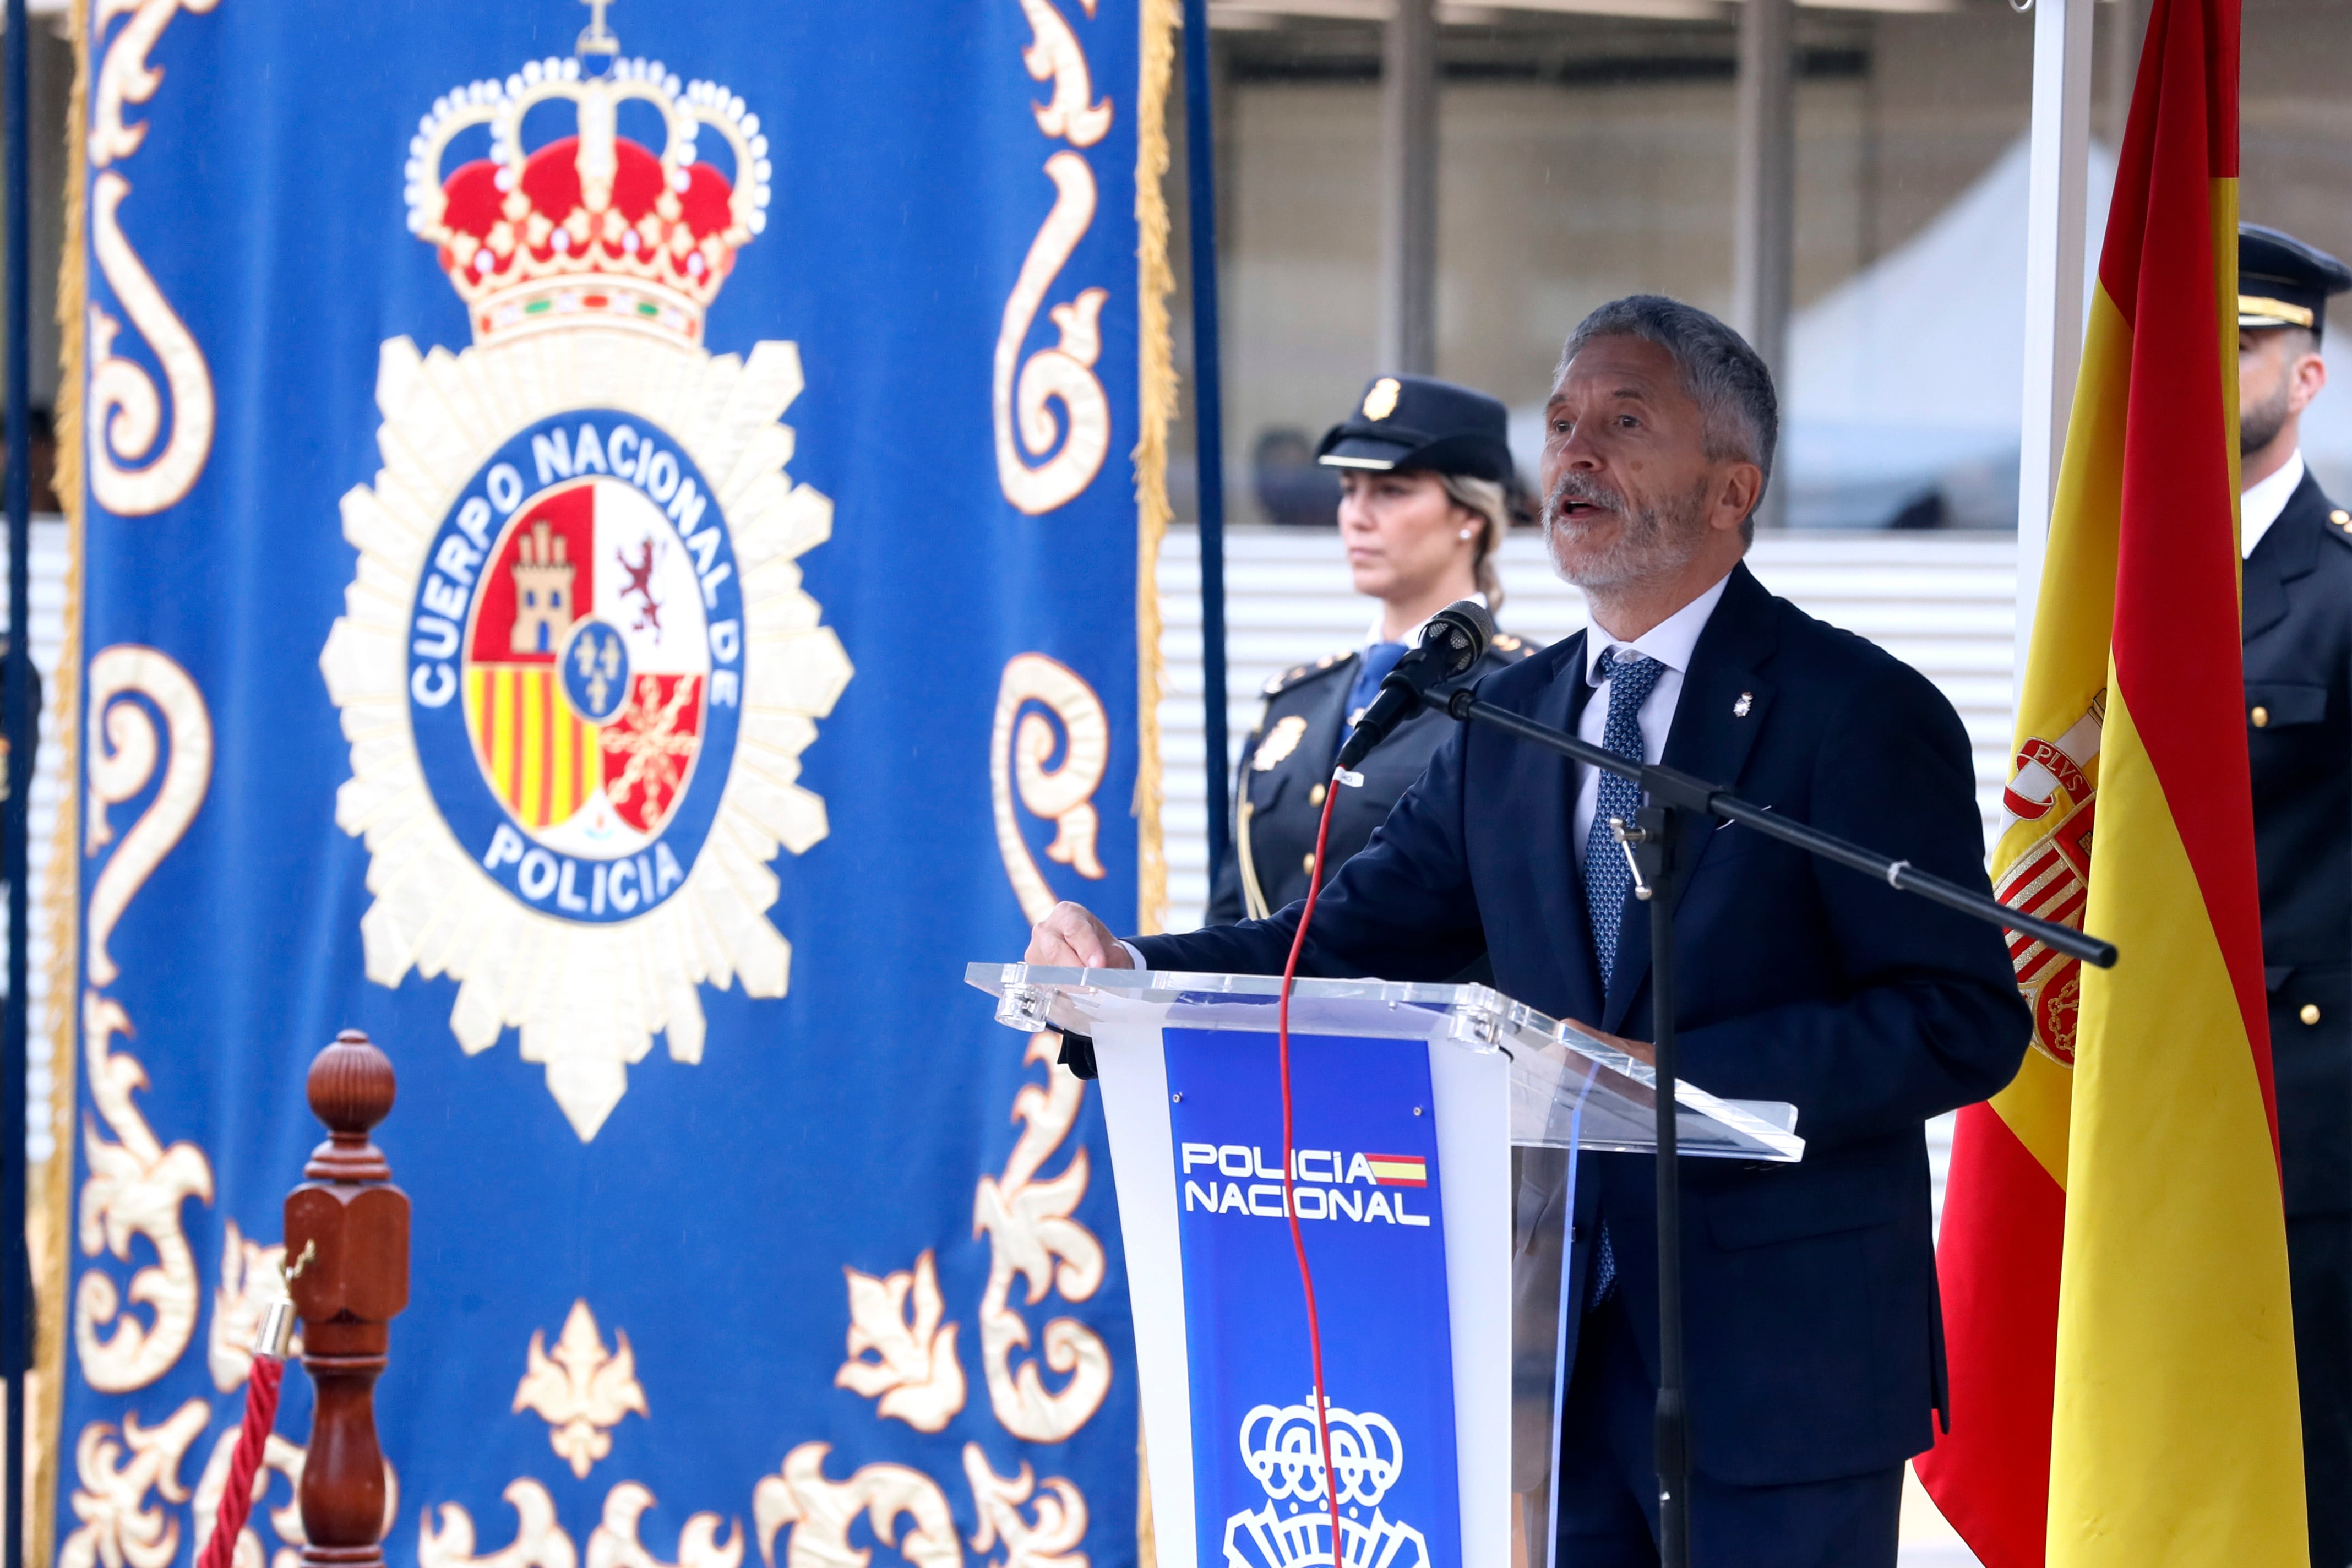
(1814, 1352)
(2298, 660)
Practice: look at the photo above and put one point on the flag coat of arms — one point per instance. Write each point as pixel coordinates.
(614, 559)
(2114, 1245)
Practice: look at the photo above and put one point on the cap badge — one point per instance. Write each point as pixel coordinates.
(1381, 400)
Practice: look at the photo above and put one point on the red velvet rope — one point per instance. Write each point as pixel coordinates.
(252, 1444)
(1289, 1165)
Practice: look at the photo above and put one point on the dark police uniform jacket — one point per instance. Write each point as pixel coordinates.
(1811, 1338)
(2298, 660)
(1286, 768)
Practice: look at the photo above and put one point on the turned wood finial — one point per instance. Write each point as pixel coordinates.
(347, 1270)
(351, 1089)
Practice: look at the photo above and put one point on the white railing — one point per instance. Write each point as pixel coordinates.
(48, 603)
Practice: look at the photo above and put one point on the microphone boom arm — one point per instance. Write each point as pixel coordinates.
(1682, 792)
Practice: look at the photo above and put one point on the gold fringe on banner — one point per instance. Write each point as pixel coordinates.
(50, 1222)
(1156, 406)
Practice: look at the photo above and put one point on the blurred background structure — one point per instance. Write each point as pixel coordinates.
(1584, 149)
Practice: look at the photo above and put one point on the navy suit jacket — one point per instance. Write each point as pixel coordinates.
(1813, 1336)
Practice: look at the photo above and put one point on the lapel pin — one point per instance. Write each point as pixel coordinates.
(1747, 700)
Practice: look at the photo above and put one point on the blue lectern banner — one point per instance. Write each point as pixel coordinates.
(611, 545)
(1366, 1188)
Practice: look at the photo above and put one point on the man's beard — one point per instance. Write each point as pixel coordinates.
(1652, 541)
(2259, 425)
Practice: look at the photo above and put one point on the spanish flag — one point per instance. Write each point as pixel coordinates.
(1399, 1170)
(2114, 1250)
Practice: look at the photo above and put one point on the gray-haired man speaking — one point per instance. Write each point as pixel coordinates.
(1815, 1355)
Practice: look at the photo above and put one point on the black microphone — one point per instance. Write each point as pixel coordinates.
(1453, 641)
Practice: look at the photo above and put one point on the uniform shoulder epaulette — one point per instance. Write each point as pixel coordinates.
(2336, 524)
(1298, 674)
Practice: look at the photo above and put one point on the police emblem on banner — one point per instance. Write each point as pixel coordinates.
(576, 666)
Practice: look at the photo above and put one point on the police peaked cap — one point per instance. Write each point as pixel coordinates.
(1418, 422)
(2282, 282)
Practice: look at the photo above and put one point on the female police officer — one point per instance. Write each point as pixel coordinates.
(1423, 466)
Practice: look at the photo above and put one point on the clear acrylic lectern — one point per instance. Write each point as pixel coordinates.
(1514, 1096)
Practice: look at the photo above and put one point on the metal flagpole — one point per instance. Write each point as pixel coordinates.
(1764, 244)
(2056, 203)
(1208, 422)
(16, 1282)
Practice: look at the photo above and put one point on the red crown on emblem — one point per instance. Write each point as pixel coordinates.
(593, 229)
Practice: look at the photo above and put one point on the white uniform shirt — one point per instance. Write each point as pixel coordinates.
(2261, 505)
(1670, 642)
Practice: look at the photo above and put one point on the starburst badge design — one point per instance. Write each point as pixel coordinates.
(581, 1389)
(576, 665)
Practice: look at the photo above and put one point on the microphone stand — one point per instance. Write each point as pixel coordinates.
(1653, 842)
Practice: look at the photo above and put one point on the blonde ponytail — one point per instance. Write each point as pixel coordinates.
(1492, 506)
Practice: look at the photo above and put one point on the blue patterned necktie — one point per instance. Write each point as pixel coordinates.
(1606, 874)
(1378, 660)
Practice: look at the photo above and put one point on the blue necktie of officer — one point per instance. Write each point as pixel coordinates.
(1370, 670)
(1607, 875)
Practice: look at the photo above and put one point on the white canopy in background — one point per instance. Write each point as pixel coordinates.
(1906, 383)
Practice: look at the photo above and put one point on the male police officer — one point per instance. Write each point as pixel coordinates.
(2298, 658)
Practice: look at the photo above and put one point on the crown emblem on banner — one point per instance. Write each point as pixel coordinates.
(594, 228)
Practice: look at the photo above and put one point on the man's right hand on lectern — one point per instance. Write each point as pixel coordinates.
(1068, 935)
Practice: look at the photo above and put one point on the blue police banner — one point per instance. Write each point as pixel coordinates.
(615, 553)
(1367, 1191)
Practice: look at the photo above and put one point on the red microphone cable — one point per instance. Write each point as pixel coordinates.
(1322, 1396)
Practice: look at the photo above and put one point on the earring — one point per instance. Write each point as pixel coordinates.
(1469, 533)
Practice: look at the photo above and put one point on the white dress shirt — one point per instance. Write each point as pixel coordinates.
(1670, 642)
(2261, 505)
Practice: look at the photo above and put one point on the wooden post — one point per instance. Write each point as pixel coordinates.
(347, 1269)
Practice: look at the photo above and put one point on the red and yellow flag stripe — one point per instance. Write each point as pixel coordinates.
(539, 756)
(1397, 1170)
(2114, 1250)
